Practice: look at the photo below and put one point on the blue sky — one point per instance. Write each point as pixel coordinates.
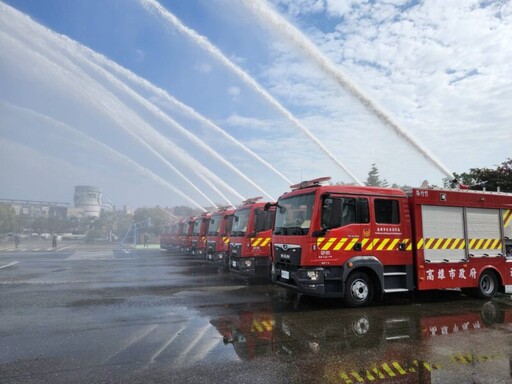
(116, 94)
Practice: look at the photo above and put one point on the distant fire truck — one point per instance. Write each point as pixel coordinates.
(217, 241)
(358, 243)
(249, 249)
(198, 235)
(185, 240)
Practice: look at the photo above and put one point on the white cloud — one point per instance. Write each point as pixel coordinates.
(439, 67)
(234, 92)
(203, 68)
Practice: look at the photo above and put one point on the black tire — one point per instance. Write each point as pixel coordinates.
(358, 290)
(488, 285)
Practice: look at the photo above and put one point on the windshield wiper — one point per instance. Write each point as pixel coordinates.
(280, 231)
(295, 230)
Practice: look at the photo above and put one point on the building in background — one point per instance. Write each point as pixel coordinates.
(88, 200)
(34, 209)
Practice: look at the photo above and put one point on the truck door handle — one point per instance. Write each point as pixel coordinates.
(358, 246)
(401, 247)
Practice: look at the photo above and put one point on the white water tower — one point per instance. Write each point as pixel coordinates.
(88, 199)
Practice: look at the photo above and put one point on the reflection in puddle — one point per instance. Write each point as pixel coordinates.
(439, 342)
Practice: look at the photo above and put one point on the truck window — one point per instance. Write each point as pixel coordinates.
(386, 211)
(338, 212)
(263, 220)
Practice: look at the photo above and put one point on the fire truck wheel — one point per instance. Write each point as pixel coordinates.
(358, 290)
(487, 285)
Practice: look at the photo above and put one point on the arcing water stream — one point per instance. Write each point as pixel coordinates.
(279, 23)
(154, 6)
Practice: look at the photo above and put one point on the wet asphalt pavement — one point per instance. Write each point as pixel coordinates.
(89, 314)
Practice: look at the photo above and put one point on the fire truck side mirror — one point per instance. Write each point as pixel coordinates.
(319, 233)
(267, 206)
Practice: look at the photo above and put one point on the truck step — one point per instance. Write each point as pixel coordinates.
(395, 273)
(395, 290)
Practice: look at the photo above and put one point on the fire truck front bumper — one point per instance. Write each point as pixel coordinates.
(218, 258)
(250, 266)
(314, 281)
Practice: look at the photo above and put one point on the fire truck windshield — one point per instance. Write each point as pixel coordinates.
(197, 227)
(240, 221)
(213, 229)
(293, 215)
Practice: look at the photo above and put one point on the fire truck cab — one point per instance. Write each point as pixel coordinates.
(250, 246)
(198, 235)
(186, 235)
(358, 243)
(217, 247)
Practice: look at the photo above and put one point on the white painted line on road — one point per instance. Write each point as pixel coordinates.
(60, 249)
(9, 265)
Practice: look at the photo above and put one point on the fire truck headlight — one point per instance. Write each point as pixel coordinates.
(247, 263)
(312, 275)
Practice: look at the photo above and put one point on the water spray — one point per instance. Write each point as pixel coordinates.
(111, 151)
(285, 27)
(154, 6)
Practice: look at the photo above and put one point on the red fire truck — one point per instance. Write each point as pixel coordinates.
(217, 247)
(185, 239)
(250, 247)
(175, 236)
(198, 236)
(358, 243)
(165, 237)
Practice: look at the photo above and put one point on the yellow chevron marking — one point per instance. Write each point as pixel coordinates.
(438, 243)
(319, 241)
(256, 326)
(462, 359)
(378, 373)
(391, 247)
(350, 245)
(420, 243)
(328, 244)
(428, 244)
(345, 378)
(507, 218)
(256, 241)
(446, 244)
(265, 242)
(369, 375)
(388, 370)
(338, 246)
(268, 325)
(399, 368)
(382, 244)
(372, 243)
(357, 376)
(365, 240)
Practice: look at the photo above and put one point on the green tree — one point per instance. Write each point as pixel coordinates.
(490, 179)
(184, 211)
(374, 179)
(8, 222)
(158, 218)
